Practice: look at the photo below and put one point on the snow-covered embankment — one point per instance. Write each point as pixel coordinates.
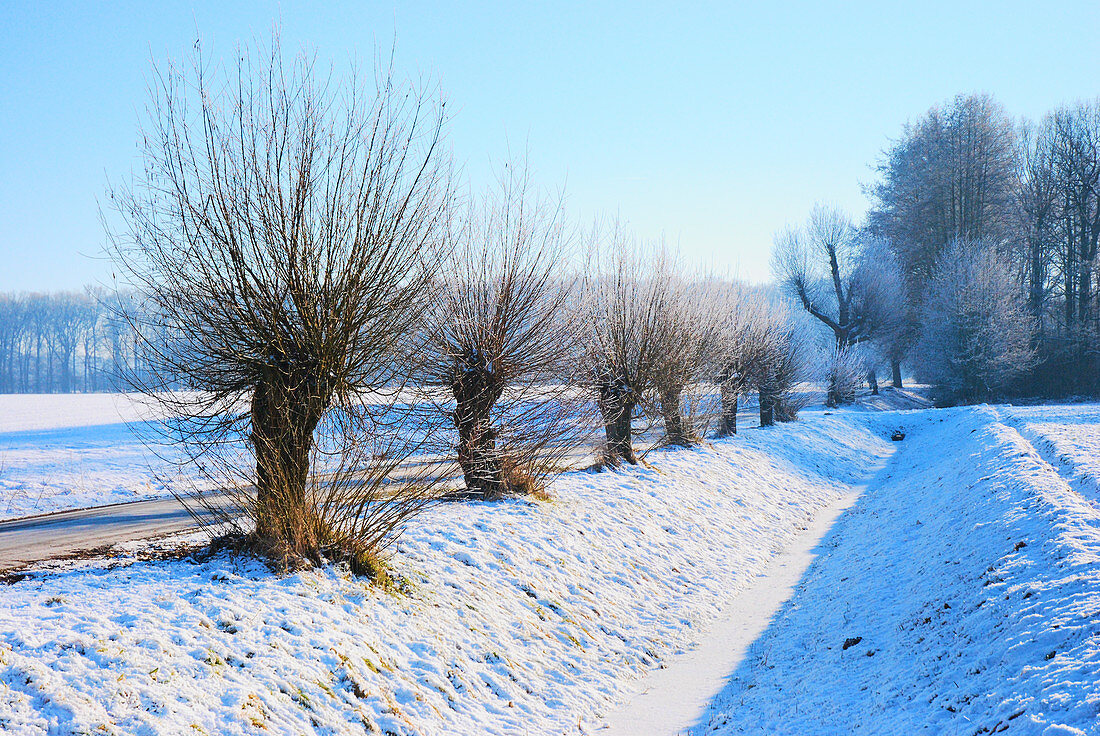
(522, 618)
(960, 595)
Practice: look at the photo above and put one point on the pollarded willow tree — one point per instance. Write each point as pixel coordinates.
(282, 233)
(745, 329)
(688, 337)
(624, 298)
(498, 337)
(783, 364)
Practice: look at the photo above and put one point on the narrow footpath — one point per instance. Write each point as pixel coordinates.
(675, 699)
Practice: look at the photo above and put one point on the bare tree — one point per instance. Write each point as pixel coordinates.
(782, 366)
(688, 337)
(824, 252)
(499, 339)
(828, 269)
(742, 316)
(877, 288)
(950, 176)
(69, 320)
(37, 321)
(13, 324)
(91, 334)
(1038, 202)
(846, 370)
(282, 234)
(977, 332)
(623, 304)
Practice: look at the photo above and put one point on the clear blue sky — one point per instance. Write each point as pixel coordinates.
(712, 123)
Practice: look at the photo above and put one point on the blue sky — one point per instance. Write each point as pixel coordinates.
(713, 124)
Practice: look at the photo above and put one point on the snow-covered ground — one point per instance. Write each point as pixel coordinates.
(63, 451)
(960, 595)
(522, 617)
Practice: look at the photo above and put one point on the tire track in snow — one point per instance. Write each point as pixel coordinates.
(1079, 481)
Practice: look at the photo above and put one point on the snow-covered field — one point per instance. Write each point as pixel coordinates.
(961, 594)
(63, 451)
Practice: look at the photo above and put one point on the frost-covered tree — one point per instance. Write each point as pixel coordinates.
(846, 368)
(625, 293)
(745, 327)
(689, 334)
(783, 364)
(976, 335)
(827, 267)
(951, 175)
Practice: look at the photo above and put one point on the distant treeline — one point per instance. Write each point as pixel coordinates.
(63, 342)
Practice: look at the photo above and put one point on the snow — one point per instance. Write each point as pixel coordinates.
(960, 595)
(71, 451)
(64, 451)
(30, 412)
(673, 698)
(521, 617)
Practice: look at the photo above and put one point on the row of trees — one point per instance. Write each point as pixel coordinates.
(334, 304)
(61, 342)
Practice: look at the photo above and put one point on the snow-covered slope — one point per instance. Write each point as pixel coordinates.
(522, 618)
(960, 595)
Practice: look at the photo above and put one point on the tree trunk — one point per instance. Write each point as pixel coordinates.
(727, 424)
(895, 372)
(476, 388)
(283, 422)
(478, 454)
(872, 381)
(617, 411)
(767, 408)
(676, 432)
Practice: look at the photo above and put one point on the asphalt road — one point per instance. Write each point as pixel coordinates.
(34, 539)
(24, 541)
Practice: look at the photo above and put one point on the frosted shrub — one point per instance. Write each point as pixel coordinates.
(976, 334)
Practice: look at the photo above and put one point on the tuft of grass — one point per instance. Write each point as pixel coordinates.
(528, 478)
(372, 566)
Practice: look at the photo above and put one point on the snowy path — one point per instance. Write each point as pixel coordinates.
(673, 699)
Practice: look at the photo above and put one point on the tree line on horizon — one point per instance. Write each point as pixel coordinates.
(63, 342)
